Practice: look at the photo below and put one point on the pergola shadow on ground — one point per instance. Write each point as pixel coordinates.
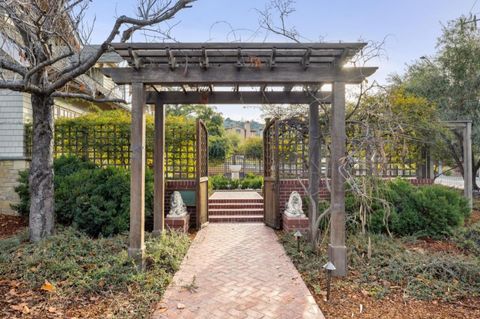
(238, 73)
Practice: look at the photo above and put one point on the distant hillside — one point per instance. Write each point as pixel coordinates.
(229, 123)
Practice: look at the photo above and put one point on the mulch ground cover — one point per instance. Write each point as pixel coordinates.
(11, 225)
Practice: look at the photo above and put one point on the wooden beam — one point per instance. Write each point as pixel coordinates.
(228, 74)
(233, 45)
(159, 170)
(306, 58)
(272, 58)
(270, 97)
(239, 58)
(466, 127)
(313, 163)
(467, 163)
(136, 249)
(172, 62)
(337, 251)
(204, 63)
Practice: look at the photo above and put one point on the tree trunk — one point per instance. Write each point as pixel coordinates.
(41, 220)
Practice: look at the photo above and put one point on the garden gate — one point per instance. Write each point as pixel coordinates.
(270, 175)
(202, 175)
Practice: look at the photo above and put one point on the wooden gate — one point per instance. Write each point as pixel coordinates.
(271, 175)
(202, 175)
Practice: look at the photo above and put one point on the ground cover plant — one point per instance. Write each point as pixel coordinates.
(395, 277)
(427, 266)
(72, 275)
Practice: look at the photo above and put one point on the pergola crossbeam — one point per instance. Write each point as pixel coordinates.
(229, 74)
(267, 97)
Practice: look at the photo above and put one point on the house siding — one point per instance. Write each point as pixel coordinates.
(13, 109)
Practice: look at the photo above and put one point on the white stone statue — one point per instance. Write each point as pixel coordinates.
(177, 206)
(294, 206)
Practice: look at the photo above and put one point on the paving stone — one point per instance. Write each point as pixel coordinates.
(241, 271)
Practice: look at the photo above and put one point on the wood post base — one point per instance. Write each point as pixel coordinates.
(137, 254)
(338, 256)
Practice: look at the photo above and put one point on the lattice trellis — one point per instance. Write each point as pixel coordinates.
(109, 145)
(269, 144)
(286, 141)
(202, 149)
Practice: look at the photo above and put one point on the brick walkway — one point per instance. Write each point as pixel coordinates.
(240, 271)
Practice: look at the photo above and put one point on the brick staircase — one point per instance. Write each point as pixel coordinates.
(239, 208)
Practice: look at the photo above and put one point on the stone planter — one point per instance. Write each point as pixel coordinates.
(235, 171)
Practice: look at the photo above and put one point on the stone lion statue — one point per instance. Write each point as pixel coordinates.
(177, 206)
(294, 206)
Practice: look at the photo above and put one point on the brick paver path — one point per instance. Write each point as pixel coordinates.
(240, 271)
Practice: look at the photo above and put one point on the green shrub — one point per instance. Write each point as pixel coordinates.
(431, 210)
(95, 201)
(251, 181)
(92, 199)
(62, 166)
(469, 239)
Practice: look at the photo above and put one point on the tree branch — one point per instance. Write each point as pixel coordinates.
(12, 66)
(90, 61)
(87, 97)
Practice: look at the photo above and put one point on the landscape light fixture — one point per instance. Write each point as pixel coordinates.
(329, 268)
(298, 235)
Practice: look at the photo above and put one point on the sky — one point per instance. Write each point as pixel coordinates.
(410, 27)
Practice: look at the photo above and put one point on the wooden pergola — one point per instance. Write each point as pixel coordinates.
(238, 73)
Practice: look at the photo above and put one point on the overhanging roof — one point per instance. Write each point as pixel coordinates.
(172, 64)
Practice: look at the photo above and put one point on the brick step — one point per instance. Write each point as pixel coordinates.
(242, 212)
(235, 205)
(236, 219)
(235, 200)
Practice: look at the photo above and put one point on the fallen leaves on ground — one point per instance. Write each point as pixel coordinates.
(11, 225)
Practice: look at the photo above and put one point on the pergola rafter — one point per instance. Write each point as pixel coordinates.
(191, 73)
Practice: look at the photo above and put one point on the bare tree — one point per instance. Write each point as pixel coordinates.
(42, 37)
(273, 19)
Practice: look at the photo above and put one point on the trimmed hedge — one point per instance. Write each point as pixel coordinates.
(250, 181)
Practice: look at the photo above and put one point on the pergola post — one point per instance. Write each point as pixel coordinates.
(159, 170)
(337, 251)
(467, 162)
(137, 180)
(313, 164)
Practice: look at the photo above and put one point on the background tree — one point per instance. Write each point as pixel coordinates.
(252, 147)
(44, 34)
(209, 114)
(451, 80)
